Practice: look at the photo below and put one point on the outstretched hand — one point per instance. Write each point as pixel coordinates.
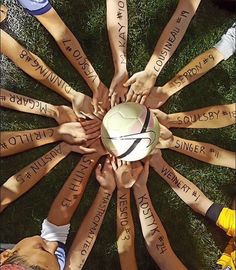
(156, 98)
(141, 84)
(123, 173)
(117, 90)
(100, 100)
(161, 116)
(105, 176)
(79, 132)
(65, 114)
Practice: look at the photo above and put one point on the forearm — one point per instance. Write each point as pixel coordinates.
(125, 231)
(88, 231)
(69, 46)
(13, 142)
(117, 26)
(205, 152)
(185, 189)
(192, 71)
(26, 178)
(22, 103)
(208, 117)
(154, 233)
(34, 66)
(72, 191)
(172, 35)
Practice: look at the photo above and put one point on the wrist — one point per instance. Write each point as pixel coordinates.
(54, 112)
(139, 188)
(108, 190)
(150, 72)
(57, 134)
(120, 68)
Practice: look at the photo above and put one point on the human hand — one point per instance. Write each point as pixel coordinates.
(83, 107)
(143, 173)
(67, 148)
(123, 173)
(141, 84)
(106, 176)
(161, 116)
(117, 91)
(100, 149)
(64, 114)
(100, 100)
(166, 138)
(156, 98)
(3, 12)
(79, 132)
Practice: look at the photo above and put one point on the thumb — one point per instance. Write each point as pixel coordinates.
(130, 81)
(82, 150)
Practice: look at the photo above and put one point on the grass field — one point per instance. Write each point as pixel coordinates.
(197, 242)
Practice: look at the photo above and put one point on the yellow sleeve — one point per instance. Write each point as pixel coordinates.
(227, 221)
(228, 258)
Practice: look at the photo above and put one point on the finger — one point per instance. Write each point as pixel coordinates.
(119, 162)
(122, 98)
(81, 115)
(113, 163)
(111, 91)
(129, 95)
(83, 150)
(117, 100)
(90, 122)
(134, 98)
(143, 99)
(98, 170)
(90, 142)
(107, 165)
(113, 99)
(100, 109)
(93, 135)
(92, 129)
(139, 97)
(95, 105)
(130, 81)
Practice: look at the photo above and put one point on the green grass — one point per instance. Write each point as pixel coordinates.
(197, 242)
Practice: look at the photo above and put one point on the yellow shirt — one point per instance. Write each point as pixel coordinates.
(227, 221)
(228, 258)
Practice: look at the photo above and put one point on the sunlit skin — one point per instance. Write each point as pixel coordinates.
(36, 251)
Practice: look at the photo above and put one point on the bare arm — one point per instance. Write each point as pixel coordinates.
(185, 189)
(34, 66)
(204, 151)
(88, 231)
(124, 177)
(30, 175)
(190, 73)
(209, 117)
(153, 231)
(193, 71)
(71, 48)
(12, 142)
(142, 82)
(11, 100)
(117, 26)
(72, 191)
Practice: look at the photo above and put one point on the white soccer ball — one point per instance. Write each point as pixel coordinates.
(130, 131)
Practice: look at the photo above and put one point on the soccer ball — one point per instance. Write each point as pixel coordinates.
(130, 131)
